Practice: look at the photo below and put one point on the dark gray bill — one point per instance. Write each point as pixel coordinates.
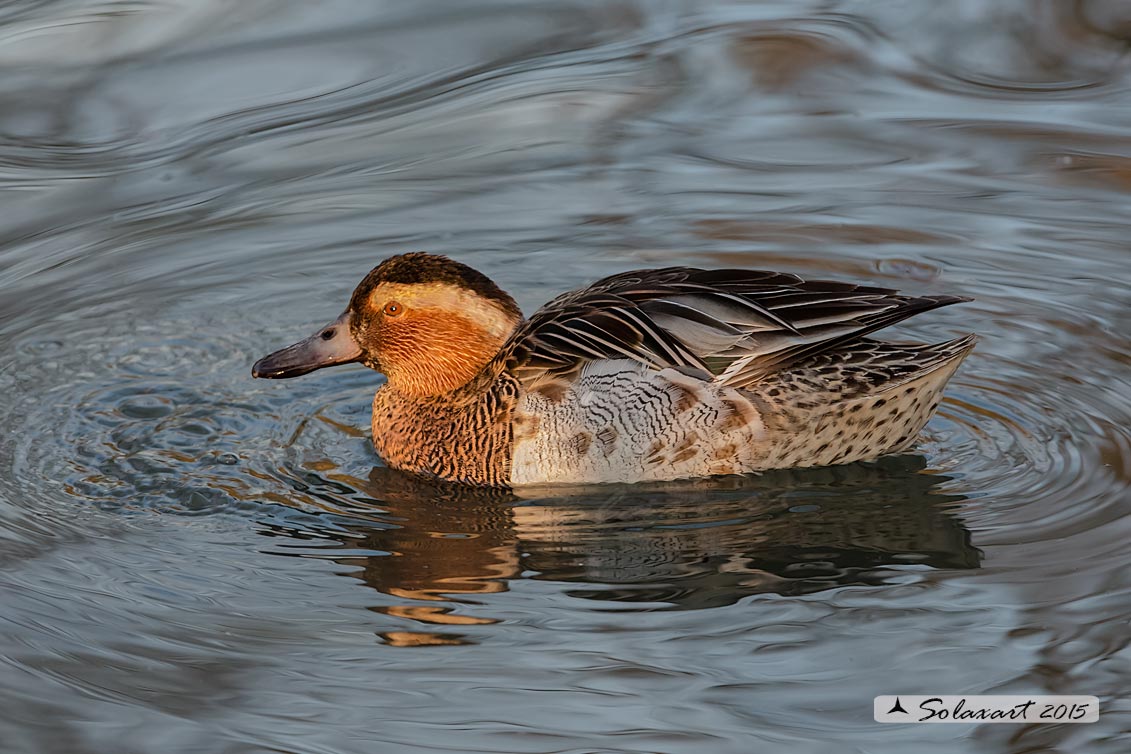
(332, 344)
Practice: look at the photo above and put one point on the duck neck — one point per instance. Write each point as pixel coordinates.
(463, 435)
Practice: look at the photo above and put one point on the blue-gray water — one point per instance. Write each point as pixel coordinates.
(194, 561)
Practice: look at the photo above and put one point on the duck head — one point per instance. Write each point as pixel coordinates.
(430, 324)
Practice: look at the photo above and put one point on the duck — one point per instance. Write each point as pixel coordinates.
(644, 376)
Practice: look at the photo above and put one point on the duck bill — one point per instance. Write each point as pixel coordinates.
(329, 346)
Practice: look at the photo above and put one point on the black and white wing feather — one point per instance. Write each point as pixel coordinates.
(737, 325)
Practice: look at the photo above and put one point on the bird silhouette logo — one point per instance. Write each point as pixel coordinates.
(897, 707)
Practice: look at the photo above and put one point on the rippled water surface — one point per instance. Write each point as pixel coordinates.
(193, 561)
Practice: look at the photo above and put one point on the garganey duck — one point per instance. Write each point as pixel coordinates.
(643, 376)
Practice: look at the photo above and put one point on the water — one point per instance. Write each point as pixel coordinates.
(193, 561)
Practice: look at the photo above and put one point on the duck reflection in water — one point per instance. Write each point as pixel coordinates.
(690, 545)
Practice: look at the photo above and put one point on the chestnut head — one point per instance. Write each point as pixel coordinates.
(429, 323)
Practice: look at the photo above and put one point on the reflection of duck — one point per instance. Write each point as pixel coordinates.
(691, 544)
(647, 375)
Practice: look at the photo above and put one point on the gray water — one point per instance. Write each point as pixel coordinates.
(195, 561)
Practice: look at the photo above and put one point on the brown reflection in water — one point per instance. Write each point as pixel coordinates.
(1095, 170)
(778, 58)
(692, 545)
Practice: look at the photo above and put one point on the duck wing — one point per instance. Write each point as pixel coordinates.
(737, 326)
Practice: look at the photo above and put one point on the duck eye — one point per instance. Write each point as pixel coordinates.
(393, 308)
(328, 334)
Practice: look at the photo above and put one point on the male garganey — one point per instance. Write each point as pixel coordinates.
(646, 375)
